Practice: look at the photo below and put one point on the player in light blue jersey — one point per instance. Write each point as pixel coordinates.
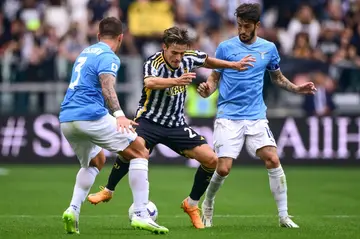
(88, 127)
(241, 115)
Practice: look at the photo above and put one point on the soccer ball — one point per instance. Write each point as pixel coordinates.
(151, 208)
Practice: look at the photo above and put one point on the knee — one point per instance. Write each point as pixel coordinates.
(136, 149)
(272, 161)
(223, 170)
(98, 161)
(144, 153)
(211, 162)
(136, 153)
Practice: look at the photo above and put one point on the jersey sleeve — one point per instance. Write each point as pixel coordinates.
(219, 54)
(151, 68)
(274, 61)
(198, 58)
(108, 64)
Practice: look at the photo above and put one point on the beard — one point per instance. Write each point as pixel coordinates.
(248, 39)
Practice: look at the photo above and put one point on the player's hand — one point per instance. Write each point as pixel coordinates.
(205, 90)
(306, 88)
(244, 63)
(125, 125)
(185, 79)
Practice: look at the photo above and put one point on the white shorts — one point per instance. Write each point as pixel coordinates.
(87, 138)
(230, 135)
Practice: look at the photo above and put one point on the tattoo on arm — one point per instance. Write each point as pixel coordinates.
(215, 76)
(107, 82)
(280, 80)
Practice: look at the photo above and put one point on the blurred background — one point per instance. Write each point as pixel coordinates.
(318, 40)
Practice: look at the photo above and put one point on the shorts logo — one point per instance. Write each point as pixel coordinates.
(217, 147)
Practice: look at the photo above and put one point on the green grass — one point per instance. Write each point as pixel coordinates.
(325, 202)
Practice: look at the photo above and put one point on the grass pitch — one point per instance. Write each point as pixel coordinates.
(325, 202)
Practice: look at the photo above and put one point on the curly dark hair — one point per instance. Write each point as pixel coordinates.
(249, 12)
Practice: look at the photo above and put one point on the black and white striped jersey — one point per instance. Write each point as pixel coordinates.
(166, 106)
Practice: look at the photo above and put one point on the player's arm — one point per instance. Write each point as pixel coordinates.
(153, 79)
(107, 82)
(158, 83)
(242, 65)
(207, 88)
(201, 59)
(280, 80)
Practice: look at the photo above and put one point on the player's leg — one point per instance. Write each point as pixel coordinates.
(260, 142)
(139, 184)
(129, 146)
(208, 160)
(92, 159)
(185, 141)
(118, 171)
(228, 142)
(149, 135)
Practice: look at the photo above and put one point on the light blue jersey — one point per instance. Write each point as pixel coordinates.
(84, 99)
(240, 93)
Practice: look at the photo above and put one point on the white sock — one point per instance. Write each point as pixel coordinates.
(214, 186)
(192, 202)
(139, 184)
(278, 188)
(84, 180)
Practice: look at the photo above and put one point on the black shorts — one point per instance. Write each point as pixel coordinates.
(178, 138)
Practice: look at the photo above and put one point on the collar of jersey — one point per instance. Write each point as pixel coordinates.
(103, 43)
(167, 64)
(248, 45)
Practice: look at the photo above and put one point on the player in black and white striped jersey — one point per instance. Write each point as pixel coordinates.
(161, 114)
(166, 106)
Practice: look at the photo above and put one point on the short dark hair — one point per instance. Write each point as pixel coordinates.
(176, 35)
(249, 12)
(110, 27)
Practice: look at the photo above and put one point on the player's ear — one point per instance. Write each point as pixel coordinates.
(98, 36)
(164, 47)
(257, 25)
(120, 38)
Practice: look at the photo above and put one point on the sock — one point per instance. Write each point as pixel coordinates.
(119, 170)
(278, 188)
(84, 180)
(139, 184)
(201, 181)
(214, 186)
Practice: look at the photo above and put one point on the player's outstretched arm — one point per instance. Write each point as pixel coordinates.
(107, 82)
(280, 80)
(158, 83)
(242, 65)
(207, 88)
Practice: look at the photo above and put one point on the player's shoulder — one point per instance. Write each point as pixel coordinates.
(108, 55)
(265, 43)
(192, 52)
(155, 60)
(229, 42)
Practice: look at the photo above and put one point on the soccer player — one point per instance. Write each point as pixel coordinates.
(241, 115)
(161, 114)
(88, 127)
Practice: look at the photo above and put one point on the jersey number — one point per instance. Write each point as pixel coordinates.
(79, 64)
(192, 134)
